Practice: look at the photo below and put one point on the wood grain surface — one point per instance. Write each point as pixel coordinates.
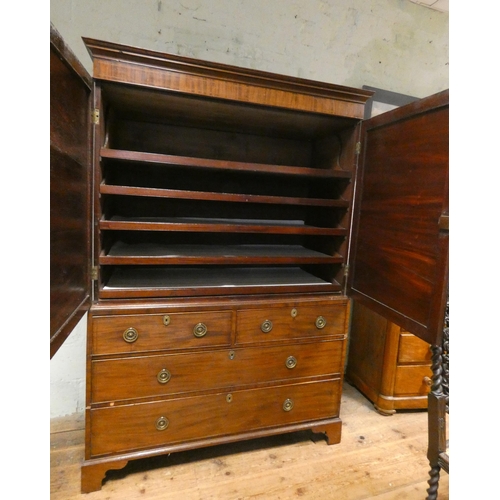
(382, 458)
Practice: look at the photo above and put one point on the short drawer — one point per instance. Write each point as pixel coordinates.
(413, 349)
(153, 376)
(412, 380)
(148, 332)
(133, 427)
(277, 324)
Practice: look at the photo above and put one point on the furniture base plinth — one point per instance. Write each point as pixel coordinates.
(332, 431)
(93, 473)
(383, 411)
(94, 470)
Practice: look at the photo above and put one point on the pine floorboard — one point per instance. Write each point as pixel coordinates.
(378, 458)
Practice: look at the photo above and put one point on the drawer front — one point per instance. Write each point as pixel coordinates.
(413, 350)
(277, 324)
(412, 380)
(153, 376)
(147, 332)
(132, 427)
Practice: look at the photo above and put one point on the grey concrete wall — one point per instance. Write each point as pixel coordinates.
(391, 44)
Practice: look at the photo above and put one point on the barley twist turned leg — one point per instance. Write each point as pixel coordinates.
(433, 415)
(433, 483)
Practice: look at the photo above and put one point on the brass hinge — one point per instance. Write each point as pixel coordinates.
(93, 274)
(346, 275)
(358, 148)
(95, 116)
(444, 222)
(346, 270)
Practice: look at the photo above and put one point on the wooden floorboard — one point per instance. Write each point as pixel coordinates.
(380, 458)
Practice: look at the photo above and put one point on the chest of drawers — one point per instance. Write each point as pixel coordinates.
(165, 378)
(391, 366)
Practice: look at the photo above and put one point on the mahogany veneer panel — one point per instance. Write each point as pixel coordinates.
(132, 427)
(137, 377)
(400, 244)
(70, 181)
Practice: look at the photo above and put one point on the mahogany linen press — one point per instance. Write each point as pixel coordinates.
(215, 223)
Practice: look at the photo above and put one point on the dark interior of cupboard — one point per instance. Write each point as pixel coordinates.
(201, 197)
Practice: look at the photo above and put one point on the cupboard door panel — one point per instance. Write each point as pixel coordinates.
(70, 181)
(399, 255)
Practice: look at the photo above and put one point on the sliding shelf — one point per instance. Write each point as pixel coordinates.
(148, 281)
(140, 253)
(224, 197)
(205, 163)
(187, 224)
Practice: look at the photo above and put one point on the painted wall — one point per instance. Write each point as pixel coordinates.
(391, 44)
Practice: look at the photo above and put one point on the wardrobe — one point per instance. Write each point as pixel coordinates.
(216, 222)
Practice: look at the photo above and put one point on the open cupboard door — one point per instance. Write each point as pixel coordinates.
(70, 183)
(398, 263)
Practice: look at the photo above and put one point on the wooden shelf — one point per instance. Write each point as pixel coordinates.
(225, 197)
(143, 253)
(212, 197)
(206, 163)
(172, 281)
(188, 224)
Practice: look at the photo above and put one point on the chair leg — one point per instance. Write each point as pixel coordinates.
(435, 414)
(432, 491)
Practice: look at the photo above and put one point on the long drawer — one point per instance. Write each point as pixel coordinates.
(148, 332)
(132, 427)
(148, 376)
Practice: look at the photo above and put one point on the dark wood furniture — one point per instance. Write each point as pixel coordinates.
(222, 244)
(70, 185)
(390, 366)
(438, 411)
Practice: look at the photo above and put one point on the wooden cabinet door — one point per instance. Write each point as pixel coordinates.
(399, 254)
(70, 181)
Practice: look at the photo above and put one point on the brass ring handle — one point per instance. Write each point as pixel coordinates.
(287, 405)
(200, 330)
(162, 423)
(130, 335)
(427, 381)
(320, 322)
(291, 362)
(266, 326)
(163, 376)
